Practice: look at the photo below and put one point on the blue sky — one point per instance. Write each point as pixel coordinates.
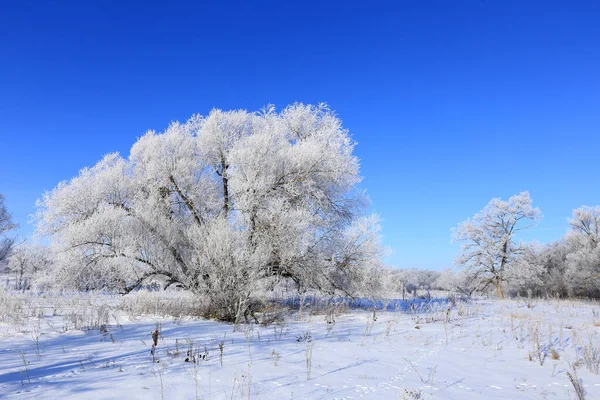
(451, 103)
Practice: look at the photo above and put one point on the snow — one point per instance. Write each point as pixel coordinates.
(480, 349)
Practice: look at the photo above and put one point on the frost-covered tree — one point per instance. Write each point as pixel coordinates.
(6, 225)
(583, 261)
(586, 225)
(567, 267)
(553, 258)
(223, 204)
(489, 248)
(528, 273)
(27, 261)
(468, 283)
(408, 281)
(446, 280)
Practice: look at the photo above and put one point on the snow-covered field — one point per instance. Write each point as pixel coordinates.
(82, 346)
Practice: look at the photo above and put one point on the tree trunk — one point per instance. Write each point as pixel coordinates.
(224, 167)
(499, 289)
(500, 272)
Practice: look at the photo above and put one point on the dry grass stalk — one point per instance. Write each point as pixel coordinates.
(577, 384)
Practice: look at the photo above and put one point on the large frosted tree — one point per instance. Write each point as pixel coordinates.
(221, 204)
(489, 249)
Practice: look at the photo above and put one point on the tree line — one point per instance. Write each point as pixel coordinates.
(235, 204)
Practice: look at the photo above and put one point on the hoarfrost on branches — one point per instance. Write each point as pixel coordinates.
(221, 204)
(6, 225)
(29, 261)
(489, 249)
(567, 267)
(583, 260)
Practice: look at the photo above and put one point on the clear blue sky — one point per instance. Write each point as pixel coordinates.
(452, 102)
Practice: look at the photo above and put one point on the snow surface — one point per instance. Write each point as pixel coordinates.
(479, 350)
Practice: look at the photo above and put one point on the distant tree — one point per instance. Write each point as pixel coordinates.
(553, 258)
(567, 267)
(6, 225)
(27, 261)
(396, 282)
(226, 205)
(446, 280)
(527, 275)
(583, 261)
(408, 281)
(489, 249)
(586, 225)
(468, 283)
